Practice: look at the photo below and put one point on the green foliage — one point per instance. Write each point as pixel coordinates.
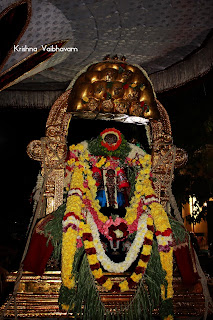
(147, 296)
(87, 295)
(53, 231)
(132, 174)
(179, 231)
(155, 275)
(166, 308)
(97, 149)
(66, 296)
(77, 261)
(85, 303)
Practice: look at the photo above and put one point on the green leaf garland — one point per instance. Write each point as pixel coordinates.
(95, 148)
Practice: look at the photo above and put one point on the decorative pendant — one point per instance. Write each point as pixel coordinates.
(116, 242)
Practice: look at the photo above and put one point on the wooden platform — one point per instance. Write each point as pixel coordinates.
(38, 298)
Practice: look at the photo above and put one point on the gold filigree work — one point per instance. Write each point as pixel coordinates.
(115, 86)
(51, 150)
(165, 156)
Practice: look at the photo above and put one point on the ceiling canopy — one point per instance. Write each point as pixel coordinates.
(171, 39)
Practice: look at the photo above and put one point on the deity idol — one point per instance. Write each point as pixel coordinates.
(112, 231)
(111, 222)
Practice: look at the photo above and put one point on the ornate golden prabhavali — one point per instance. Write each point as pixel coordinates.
(113, 86)
(106, 90)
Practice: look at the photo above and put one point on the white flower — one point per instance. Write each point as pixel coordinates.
(133, 252)
(119, 233)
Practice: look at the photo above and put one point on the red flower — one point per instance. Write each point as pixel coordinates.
(139, 270)
(95, 266)
(157, 233)
(101, 280)
(131, 283)
(142, 104)
(110, 227)
(167, 232)
(87, 236)
(148, 241)
(111, 146)
(145, 258)
(90, 251)
(122, 227)
(71, 214)
(126, 86)
(150, 228)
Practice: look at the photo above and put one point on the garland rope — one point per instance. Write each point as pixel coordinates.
(162, 225)
(171, 196)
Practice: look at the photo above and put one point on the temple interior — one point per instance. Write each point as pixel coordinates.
(106, 134)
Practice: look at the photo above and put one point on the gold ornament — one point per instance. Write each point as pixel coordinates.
(113, 79)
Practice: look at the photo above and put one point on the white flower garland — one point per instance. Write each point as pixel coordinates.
(132, 254)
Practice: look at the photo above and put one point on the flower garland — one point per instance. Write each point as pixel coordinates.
(132, 254)
(132, 211)
(164, 239)
(82, 195)
(93, 259)
(71, 223)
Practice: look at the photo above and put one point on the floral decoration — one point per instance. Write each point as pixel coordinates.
(115, 229)
(130, 282)
(83, 220)
(99, 147)
(114, 146)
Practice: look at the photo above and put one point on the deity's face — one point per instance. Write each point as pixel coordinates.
(110, 138)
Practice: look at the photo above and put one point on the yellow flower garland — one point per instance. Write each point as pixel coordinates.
(161, 223)
(69, 239)
(74, 204)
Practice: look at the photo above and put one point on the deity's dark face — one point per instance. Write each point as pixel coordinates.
(110, 138)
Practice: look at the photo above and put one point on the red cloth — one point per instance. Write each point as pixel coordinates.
(97, 175)
(122, 179)
(186, 265)
(38, 254)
